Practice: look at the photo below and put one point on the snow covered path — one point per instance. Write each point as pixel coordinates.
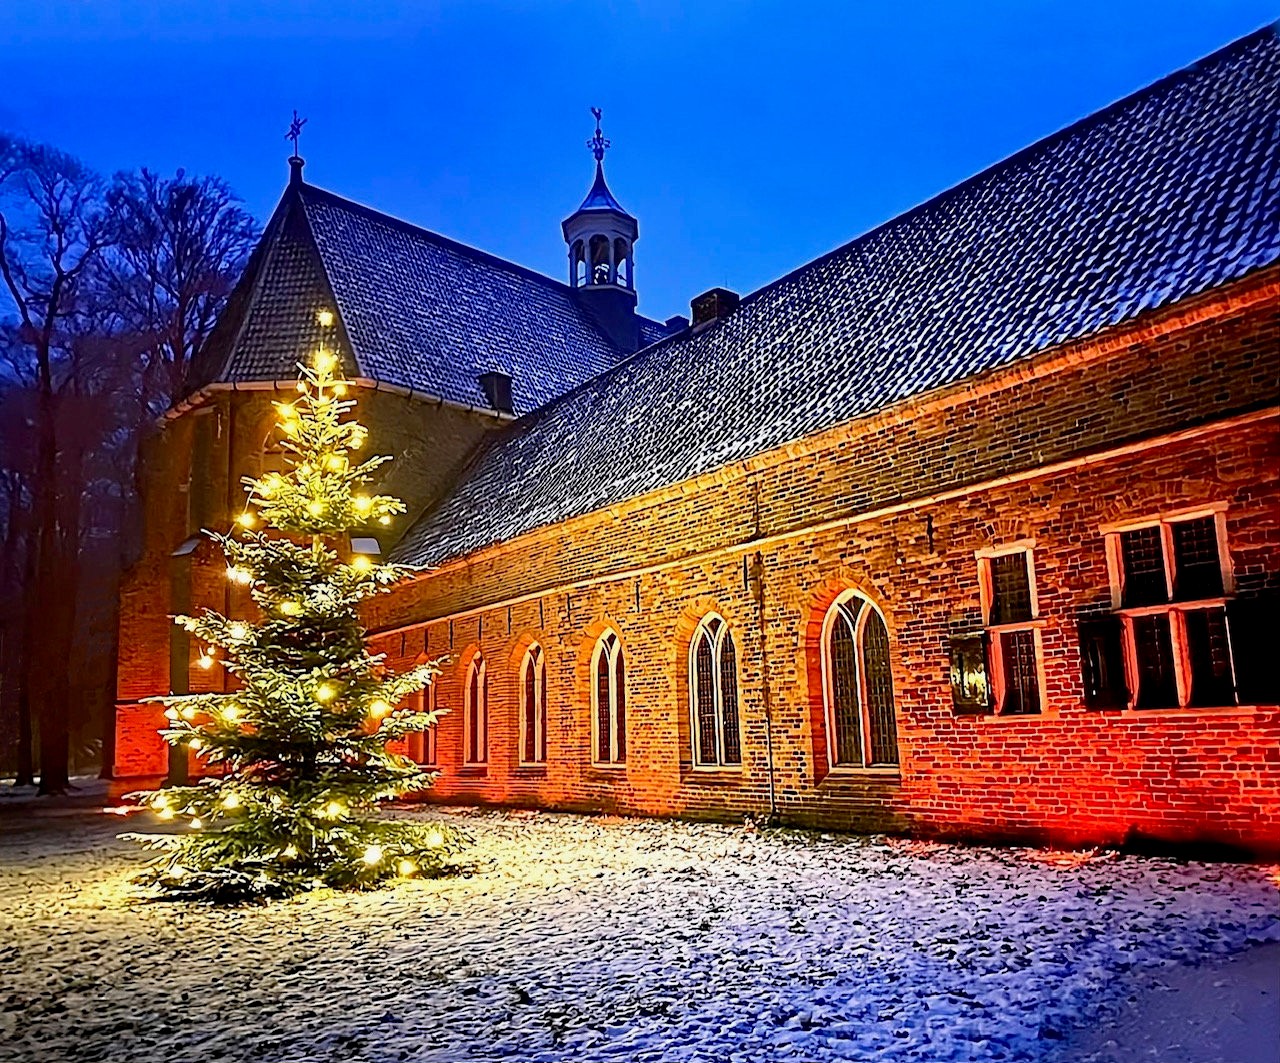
(603, 939)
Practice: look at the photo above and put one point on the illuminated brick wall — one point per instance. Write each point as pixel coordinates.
(1170, 415)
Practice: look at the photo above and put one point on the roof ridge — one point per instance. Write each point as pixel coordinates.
(485, 257)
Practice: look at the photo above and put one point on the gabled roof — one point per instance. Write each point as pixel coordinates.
(417, 309)
(1167, 193)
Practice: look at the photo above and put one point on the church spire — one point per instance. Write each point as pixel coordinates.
(600, 233)
(601, 238)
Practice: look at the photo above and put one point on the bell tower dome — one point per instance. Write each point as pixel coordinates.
(601, 238)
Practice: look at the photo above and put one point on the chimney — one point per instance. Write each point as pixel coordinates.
(496, 386)
(714, 305)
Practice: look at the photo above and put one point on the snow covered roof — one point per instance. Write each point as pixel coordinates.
(1169, 192)
(416, 309)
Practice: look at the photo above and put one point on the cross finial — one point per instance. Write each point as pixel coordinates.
(295, 131)
(598, 144)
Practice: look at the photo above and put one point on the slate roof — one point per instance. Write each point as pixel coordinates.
(600, 198)
(1165, 194)
(418, 310)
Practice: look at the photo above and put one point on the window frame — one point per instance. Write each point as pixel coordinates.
(535, 658)
(836, 611)
(480, 711)
(1035, 624)
(618, 751)
(424, 747)
(1175, 609)
(718, 639)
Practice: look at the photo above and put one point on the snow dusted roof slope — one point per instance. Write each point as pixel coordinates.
(418, 310)
(1167, 193)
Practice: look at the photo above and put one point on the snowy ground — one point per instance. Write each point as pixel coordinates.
(604, 939)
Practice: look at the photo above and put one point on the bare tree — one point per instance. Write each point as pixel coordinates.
(178, 247)
(52, 232)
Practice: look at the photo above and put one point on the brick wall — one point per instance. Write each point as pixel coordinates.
(224, 439)
(1165, 415)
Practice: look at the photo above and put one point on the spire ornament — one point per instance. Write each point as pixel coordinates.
(295, 132)
(598, 142)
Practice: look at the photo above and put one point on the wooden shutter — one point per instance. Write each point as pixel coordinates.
(970, 685)
(1252, 624)
(1102, 662)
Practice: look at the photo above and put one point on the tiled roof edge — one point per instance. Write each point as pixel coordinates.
(1091, 119)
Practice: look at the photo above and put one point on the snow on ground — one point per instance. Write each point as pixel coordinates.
(603, 939)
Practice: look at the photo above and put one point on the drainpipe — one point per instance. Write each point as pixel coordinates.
(757, 580)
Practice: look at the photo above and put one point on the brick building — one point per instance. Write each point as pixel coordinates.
(969, 527)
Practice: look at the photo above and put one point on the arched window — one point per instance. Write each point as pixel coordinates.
(598, 249)
(533, 707)
(621, 261)
(422, 744)
(858, 686)
(475, 721)
(609, 701)
(713, 694)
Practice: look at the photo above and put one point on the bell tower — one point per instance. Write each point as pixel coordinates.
(601, 238)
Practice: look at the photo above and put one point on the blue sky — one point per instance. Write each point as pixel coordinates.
(748, 137)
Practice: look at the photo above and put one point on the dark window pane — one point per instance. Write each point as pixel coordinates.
(970, 688)
(879, 683)
(1142, 556)
(1102, 662)
(621, 715)
(1210, 658)
(604, 741)
(473, 715)
(845, 714)
(1157, 688)
(1021, 680)
(429, 745)
(542, 731)
(1197, 571)
(729, 701)
(529, 718)
(1010, 589)
(705, 699)
(1252, 624)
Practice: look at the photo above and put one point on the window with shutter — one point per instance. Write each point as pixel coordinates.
(1102, 662)
(1174, 581)
(970, 688)
(1251, 626)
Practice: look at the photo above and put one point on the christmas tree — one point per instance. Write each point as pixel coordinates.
(298, 753)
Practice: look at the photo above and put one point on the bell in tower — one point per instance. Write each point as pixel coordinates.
(601, 238)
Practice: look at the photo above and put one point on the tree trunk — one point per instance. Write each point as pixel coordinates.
(47, 610)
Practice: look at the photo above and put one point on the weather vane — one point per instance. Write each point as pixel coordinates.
(598, 144)
(295, 131)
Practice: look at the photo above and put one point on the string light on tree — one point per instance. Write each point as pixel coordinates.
(297, 753)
